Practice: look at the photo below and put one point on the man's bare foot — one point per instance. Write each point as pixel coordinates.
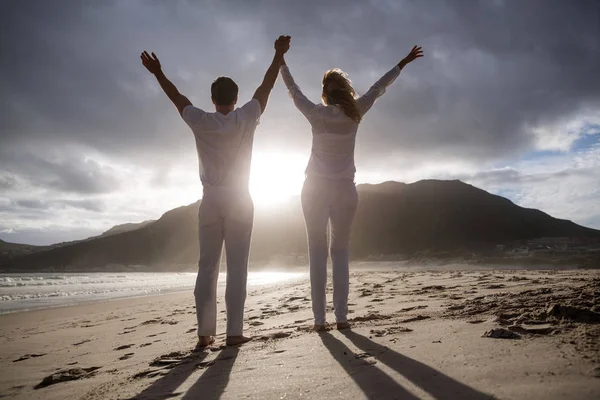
(343, 325)
(319, 328)
(204, 341)
(237, 340)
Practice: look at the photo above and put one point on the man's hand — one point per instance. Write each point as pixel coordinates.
(153, 65)
(282, 45)
(415, 53)
(151, 62)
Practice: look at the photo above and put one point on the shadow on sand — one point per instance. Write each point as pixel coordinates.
(210, 385)
(377, 384)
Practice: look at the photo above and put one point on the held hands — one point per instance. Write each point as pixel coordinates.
(415, 53)
(282, 45)
(151, 62)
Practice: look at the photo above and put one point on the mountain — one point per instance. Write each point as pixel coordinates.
(125, 228)
(392, 218)
(9, 250)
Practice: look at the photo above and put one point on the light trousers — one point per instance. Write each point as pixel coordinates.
(226, 215)
(334, 202)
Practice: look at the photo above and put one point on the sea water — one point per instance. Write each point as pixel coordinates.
(20, 292)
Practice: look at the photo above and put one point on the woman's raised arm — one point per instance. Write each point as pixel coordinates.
(303, 104)
(366, 101)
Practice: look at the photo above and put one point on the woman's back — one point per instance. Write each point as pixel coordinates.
(334, 131)
(333, 141)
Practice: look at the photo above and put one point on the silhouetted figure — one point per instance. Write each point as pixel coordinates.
(224, 143)
(329, 193)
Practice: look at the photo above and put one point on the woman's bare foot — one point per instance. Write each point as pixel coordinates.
(204, 341)
(237, 340)
(319, 328)
(343, 325)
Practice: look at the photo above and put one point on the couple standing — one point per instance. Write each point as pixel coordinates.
(224, 143)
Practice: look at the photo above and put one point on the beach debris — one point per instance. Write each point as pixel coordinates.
(420, 307)
(366, 358)
(495, 286)
(389, 331)
(276, 335)
(204, 364)
(67, 375)
(293, 298)
(28, 356)
(126, 356)
(150, 373)
(415, 318)
(501, 333)
(170, 360)
(560, 311)
(541, 329)
(123, 347)
(475, 321)
(370, 317)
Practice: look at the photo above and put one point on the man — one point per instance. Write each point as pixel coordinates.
(224, 143)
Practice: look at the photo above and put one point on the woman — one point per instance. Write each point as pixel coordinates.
(329, 193)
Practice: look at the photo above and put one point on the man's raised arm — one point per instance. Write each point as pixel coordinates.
(152, 64)
(282, 44)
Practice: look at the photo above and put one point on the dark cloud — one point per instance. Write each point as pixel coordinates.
(492, 69)
(37, 204)
(493, 72)
(59, 173)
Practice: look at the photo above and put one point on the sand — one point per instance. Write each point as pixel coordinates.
(416, 335)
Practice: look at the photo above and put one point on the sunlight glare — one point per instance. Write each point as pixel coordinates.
(275, 177)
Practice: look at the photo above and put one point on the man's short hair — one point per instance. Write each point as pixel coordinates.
(224, 91)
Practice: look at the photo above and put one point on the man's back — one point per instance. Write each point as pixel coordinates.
(224, 143)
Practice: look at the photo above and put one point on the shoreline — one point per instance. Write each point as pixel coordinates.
(102, 297)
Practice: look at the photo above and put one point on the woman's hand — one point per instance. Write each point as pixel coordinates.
(415, 53)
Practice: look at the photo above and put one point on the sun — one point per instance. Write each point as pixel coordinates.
(275, 177)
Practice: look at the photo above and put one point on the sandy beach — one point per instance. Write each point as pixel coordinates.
(450, 334)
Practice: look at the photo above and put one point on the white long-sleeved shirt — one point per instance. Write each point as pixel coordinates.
(334, 133)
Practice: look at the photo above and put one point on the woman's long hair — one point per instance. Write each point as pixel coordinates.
(337, 89)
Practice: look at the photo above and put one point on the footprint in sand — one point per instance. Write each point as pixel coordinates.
(28, 356)
(126, 356)
(82, 342)
(123, 347)
(145, 344)
(67, 375)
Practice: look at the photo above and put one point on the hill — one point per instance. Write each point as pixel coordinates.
(392, 219)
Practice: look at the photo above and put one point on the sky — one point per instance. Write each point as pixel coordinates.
(507, 98)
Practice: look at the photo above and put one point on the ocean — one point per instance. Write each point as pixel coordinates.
(21, 292)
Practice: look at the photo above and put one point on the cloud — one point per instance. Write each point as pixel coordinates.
(81, 119)
(55, 170)
(88, 205)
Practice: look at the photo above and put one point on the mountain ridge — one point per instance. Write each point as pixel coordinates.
(392, 218)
